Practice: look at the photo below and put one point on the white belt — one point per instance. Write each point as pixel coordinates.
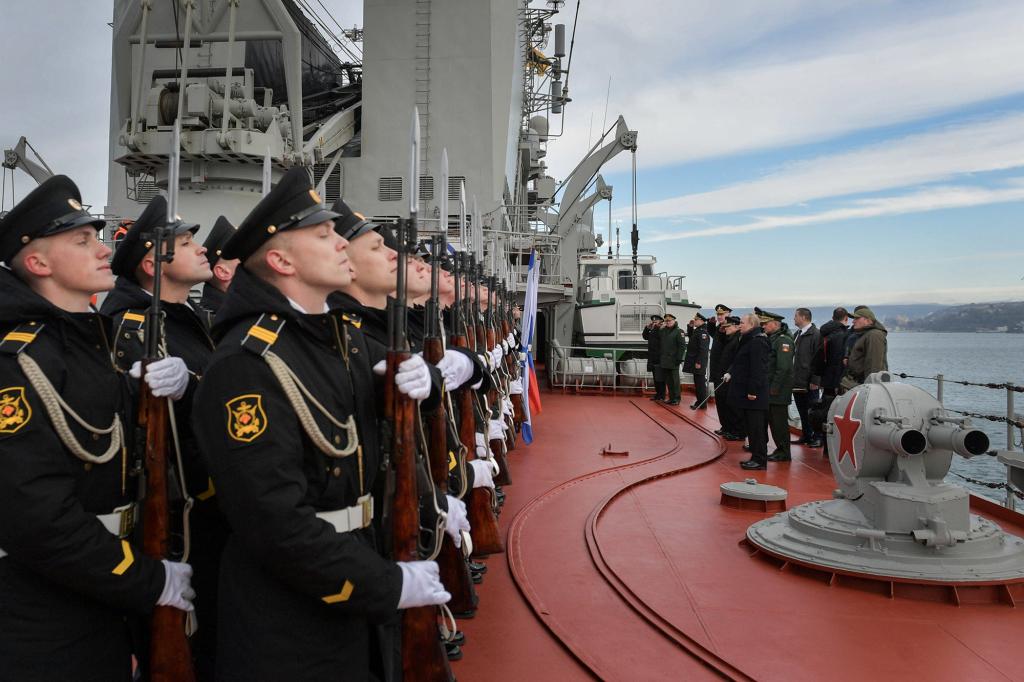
(119, 522)
(351, 518)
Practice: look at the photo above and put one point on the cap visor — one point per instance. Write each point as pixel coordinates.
(80, 221)
(182, 227)
(320, 216)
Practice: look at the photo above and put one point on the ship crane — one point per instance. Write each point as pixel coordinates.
(17, 158)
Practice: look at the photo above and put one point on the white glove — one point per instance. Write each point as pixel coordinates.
(457, 519)
(506, 406)
(511, 340)
(412, 377)
(726, 377)
(496, 429)
(515, 387)
(177, 590)
(504, 346)
(482, 451)
(456, 368)
(167, 377)
(421, 585)
(483, 476)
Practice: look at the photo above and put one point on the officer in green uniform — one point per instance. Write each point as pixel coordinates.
(780, 382)
(673, 348)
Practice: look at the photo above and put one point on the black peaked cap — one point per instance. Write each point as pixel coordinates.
(218, 237)
(350, 224)
(291, 204)
(53, 207)
(138, 240)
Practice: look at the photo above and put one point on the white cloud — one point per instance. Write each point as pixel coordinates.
(973, 147)
(879, 75)
(931, 199)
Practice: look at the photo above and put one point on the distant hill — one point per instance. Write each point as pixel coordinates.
(974, 317)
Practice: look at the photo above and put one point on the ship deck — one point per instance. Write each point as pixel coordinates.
(628, 568)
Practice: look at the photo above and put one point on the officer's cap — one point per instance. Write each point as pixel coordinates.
(290, 205)
(722, 309)
(700, 317)
(138, 240)
(422, 250)
(669, 316)
(390, 238)
(766, 316)
(656, 317)
(53, 207)
(350, 224)
(218, 237)
(732, 320)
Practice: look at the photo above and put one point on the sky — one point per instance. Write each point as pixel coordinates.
(792, 152)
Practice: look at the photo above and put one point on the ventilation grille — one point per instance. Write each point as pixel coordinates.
(426, 188)
(334, 186)
(454, 183)
(389, 189)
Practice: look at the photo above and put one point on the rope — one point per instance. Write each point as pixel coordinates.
(994, 486)
(56, 407)
(990, 417)
(294, 391)
(961, 382)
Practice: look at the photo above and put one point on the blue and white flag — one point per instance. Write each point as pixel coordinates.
(531, 391)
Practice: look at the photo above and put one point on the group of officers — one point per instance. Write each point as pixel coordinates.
(756, 366)
(276, 379)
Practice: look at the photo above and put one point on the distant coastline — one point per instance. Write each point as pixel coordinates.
(980, 318)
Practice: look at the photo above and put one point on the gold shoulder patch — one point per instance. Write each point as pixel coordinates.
(15, 411)
(246, 418)
(785, 348)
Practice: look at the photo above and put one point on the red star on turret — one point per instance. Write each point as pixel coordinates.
(848, 427)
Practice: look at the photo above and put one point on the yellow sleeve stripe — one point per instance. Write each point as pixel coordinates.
(20, 336)
(135, 317)
(208, 493)
(128, 560)
(264, 335)
(346, 592)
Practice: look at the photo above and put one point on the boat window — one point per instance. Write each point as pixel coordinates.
(625, 279)
(647, 269)
(595, 271)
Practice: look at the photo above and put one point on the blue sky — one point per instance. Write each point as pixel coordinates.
(790, 151)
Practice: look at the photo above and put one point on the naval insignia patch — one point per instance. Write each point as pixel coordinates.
(15, 411)
(246, 418)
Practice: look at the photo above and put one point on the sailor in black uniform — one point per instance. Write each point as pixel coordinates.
(291, 440)
(188, 344)
(71, 576)
(697, 352)
(223, 269)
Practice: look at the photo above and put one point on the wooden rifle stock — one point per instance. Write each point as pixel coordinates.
(170, 658)
(454, 569)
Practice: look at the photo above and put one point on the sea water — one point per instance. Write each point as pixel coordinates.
(980, 358)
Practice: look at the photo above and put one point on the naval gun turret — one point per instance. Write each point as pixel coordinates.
(893, 517)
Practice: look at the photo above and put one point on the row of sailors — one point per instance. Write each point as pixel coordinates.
(287, 582)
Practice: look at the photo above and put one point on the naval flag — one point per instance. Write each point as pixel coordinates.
(531, 391)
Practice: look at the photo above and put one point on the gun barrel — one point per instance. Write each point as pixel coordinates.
(964, 442)
(906, 442)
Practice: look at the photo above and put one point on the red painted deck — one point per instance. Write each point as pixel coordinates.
(627, 568)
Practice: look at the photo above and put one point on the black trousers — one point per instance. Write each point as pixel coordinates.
(700, 384)
(659, 382)
(803, 401)
(671, 375)
(778, 420)
(728, 417)
(755, 422)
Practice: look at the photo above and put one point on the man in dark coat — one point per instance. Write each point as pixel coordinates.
(748, 388)
(291, 442)
(780, 382)
(697, 354)
(72, 578)
(673, 349)
(731, 421)
(186, 336)
(806, 342)
(652, 334)
(716, 330)
(829, 364)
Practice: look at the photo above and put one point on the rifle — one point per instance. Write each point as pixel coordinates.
(423, 655)
(454, 569)
(170, 658)
(498, 445)
(512, 358)
(481, 503)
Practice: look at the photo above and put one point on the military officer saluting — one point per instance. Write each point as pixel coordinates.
(223, 269)
(290, 439)
(697, 354)
(70, 573)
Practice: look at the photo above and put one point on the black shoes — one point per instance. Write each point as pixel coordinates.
(733, 437)
(816, 443)
(746, 447)
(720, 432)
(799, 441)
(779, 457)
(752, 464)
(657, 399)
(672, 402)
